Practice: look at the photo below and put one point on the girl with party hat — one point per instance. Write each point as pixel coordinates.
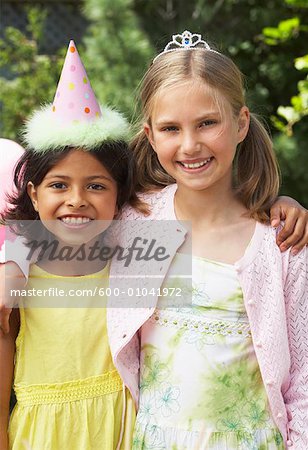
(130, 325)
(73, 178)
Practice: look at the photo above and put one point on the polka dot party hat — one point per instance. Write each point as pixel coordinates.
(74, 100)
(74, 118)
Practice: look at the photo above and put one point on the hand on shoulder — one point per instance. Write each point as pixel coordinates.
(294, 232)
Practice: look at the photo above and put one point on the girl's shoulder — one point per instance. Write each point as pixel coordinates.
(157, 202)
(263, 253)
(269, 240)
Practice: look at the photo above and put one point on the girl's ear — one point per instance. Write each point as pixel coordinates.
(149, 134)
(243, 123)
(32, 192)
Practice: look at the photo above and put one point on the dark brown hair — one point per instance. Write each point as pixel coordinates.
(114, 156)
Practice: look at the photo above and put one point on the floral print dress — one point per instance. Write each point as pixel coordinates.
(201, 386)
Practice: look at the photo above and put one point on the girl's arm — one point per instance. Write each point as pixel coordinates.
(296, 397)
(295, 231)
(14, 276)
(11, 278)
(7, 352)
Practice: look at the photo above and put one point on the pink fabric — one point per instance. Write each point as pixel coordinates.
(10, 152)
(275, 292)
(275, 288)
(6, 237)
(2, 234)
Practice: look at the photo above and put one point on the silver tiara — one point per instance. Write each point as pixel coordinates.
(185, 41)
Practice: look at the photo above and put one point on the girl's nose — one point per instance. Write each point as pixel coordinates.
(77, 199)
(190, 144)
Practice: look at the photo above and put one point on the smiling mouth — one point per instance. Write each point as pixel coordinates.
(69, 220)
(196, 165)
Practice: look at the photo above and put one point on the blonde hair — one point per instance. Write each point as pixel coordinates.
(256, 172)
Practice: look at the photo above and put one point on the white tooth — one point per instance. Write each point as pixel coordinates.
(196, 165)
(75, 220)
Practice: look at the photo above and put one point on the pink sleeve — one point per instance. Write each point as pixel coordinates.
(296, 397)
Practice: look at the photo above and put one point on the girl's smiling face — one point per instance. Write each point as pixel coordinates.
(194, 137)
(77, 199)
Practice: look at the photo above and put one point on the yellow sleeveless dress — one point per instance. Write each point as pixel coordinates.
(69, 394)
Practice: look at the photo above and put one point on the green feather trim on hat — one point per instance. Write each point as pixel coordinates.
(43, 132)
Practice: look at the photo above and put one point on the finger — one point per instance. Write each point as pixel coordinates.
(295, 237)
(289, 226)
(292, 234)
(276, 215)
(301, 243)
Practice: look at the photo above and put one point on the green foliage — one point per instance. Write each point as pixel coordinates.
(267, 60)
(291, 143)
(293, 158)
(27, 76)
(298, 3)
(287, 29)
(116, 51)
(119, 44)
(299, 103)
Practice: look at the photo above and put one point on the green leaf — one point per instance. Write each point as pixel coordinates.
(287, 27)
(302, 63)
(288, 113)
(297, 103)
(286, 30)
(297, 3)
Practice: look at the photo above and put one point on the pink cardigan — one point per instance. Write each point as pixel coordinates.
(275, 292)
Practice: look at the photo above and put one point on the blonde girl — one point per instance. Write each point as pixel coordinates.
(202, 158)
(230, 370)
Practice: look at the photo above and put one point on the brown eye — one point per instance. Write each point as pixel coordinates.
(96, 187)
(58, 186)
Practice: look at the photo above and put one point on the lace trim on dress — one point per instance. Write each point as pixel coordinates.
(211, 327)
(70, 391)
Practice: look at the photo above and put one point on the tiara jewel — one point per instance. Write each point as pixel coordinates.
(185, 41)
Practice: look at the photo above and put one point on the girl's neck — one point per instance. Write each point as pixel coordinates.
(220, 230)
(72, 260)
(210, 206)
(72, 269)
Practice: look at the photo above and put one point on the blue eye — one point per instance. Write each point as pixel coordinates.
(208, 122)
(171, 128)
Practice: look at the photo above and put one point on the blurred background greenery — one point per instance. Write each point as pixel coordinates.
(118, 38)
